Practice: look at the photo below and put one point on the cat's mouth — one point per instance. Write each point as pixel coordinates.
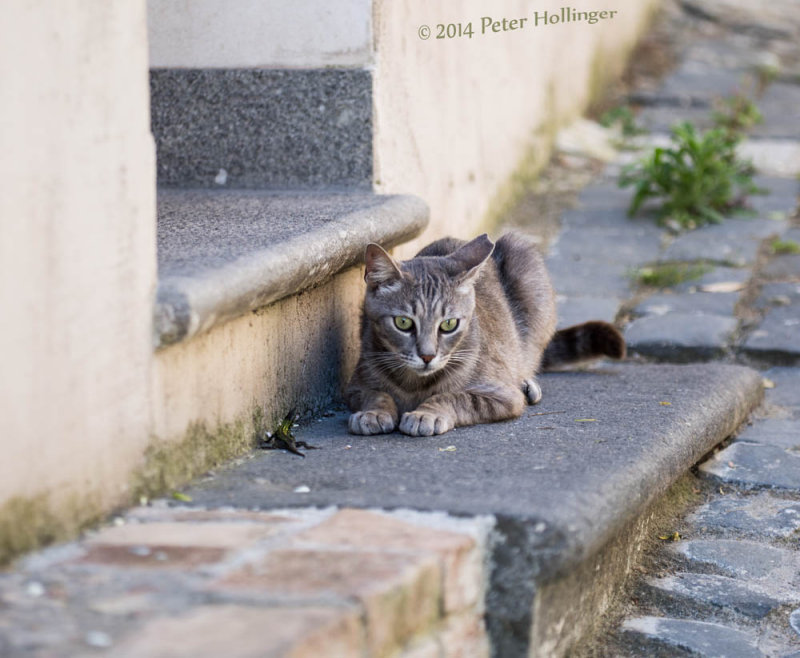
(427, 369)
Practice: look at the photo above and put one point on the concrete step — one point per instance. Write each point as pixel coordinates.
(567, 487)
(223, 253)
(509, 538)
(262, 128)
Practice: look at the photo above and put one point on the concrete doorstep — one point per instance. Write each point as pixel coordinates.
(225, 253)
(507, 539)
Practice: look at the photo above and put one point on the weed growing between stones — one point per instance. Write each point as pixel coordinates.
(666, 275)
(782, 247)
(698, 178)
(624, 119)
(737, 114)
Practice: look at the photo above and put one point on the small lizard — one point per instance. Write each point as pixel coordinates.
(283, 439)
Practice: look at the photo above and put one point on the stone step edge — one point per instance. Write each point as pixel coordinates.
(547, 580)
(189, 305)
(359, 582)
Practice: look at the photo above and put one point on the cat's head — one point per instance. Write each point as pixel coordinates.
(420, 309)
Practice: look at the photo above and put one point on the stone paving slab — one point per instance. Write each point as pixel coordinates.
(707, 593)
(776, 19)
(777, 294)
(794, 620)
(780, 432)
(695, 84)
(633, 245)
(786, 391)
(752, 561)
(600, 198)
(785, 266)
(696, 637)
(780, 107)
(697, 303)
(761, 516)
(781, 199)
(772, 157)
(590, 278)
(776, 340)
(661, 119)
(681, 337)
(714, 278)
(575, 310)
(734, 242)
(758, 466)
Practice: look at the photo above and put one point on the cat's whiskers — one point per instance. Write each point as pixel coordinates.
(463, 357)
(387, 362)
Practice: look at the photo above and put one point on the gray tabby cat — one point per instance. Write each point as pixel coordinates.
(456, 335)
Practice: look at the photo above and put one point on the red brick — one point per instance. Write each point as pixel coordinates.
(204, 515)
(170, 544)
(157, 556)
(207, 535)
(461, 560)
(464, 636)
(250, 632)
(400, 592)
(425, 647)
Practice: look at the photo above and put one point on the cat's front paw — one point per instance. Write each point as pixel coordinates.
(371, 422)
(425, 423)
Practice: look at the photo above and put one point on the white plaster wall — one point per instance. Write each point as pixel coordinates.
(77, 247)
(260, 359)
(260, 33)
(455, 117)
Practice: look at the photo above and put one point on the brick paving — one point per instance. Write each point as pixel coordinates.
(168, 581)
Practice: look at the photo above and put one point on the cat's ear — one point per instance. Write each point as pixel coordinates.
(380, 267)
(470, 257)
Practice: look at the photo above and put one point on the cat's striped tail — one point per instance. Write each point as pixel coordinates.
(583, 341)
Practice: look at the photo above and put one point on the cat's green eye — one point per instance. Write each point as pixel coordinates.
(403, 323)
(449, 325)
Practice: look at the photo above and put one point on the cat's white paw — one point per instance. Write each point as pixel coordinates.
(371, 422)
(424, 423)
(532, 390)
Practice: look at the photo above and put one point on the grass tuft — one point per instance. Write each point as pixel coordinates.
(666, 275)
(782, 247)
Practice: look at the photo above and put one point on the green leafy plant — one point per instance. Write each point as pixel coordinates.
(698, 178)
(736, 114)
(623, 117)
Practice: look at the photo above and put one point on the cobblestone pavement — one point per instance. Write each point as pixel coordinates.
(730, 585)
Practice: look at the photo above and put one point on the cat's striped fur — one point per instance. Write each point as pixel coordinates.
(418, 374)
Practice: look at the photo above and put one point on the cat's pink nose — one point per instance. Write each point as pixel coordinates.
(427, 358)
